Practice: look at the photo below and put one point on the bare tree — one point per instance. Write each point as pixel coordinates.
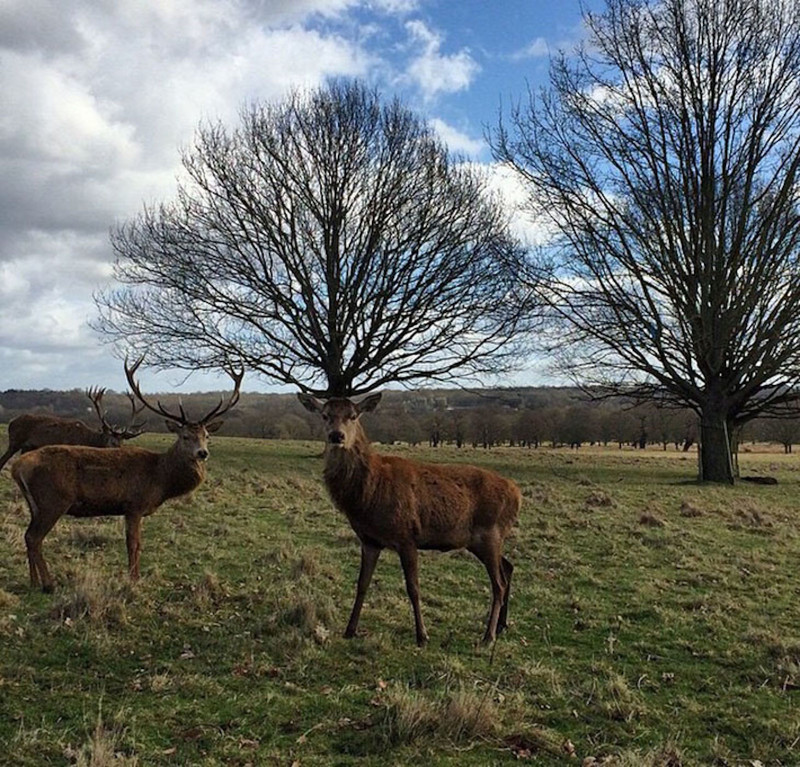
(329, 242)
(664, 156)
(785, 431)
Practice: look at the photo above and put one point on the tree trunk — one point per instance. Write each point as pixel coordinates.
(716, 446)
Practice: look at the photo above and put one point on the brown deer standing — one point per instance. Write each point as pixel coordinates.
(34, 430)
(405, 505)
(125, 481)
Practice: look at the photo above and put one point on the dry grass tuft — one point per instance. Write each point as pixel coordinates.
(409, 717)
(92, 596)
(88, 536)
(310, 563)
(13, 524)
(689, 510)
(651, 520)
(102, 750)
(467, 715)
(784, 657)
(599, 499)
(210, 590)
(539, 492)
(458, 717)
(537, 676)
(668, 756)
(751, 516)
(614, 697)
(7, 599)
(160, 683)
(534, 741)
(310, 616)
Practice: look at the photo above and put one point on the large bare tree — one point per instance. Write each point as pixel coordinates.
(329, 242)
(664, 158)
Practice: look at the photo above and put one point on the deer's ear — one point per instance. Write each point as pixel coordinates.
(309, 402)
(213, 426)
(173, 426)
(368, 404)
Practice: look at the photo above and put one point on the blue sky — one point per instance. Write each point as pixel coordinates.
(99, 96)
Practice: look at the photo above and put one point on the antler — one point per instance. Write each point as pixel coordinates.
(159, 409)
(220, 410)
(182, 419)
(95, 394)
(133, 429)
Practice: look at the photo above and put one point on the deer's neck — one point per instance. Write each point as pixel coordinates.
(180, 474)
(347, 473)
(96, 439)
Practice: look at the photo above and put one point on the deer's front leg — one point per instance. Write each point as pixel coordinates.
(369, 558)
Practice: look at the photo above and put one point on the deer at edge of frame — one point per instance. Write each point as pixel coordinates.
(126, 481)
(30, 431)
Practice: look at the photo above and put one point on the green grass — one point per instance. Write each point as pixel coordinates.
(654, 621)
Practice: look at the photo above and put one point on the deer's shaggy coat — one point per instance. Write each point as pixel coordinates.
(30, 431)
(88, 482)
(129, 482)
(392, 502)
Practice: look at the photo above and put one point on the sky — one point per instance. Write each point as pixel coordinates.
(99, 97)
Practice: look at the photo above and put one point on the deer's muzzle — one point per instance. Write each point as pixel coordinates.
(336, 437)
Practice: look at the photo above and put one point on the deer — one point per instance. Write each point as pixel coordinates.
(405, 505)
(125, 481)
(30, 431)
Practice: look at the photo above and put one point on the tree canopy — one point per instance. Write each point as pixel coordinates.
(664, 155)
(331, 242)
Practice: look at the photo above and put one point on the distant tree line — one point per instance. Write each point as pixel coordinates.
(520, 417)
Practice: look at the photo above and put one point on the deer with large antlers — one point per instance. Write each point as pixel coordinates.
(392, 502)
(126, 481)
(30, 431)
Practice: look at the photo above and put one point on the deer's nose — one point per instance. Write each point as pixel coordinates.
(202, 454)
(336, 437)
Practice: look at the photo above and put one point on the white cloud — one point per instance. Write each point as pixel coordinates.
(98, 97)
(46, 303)
(456, 140)
(536, 49)
(434, 72)
(49, 115)
(515, 195)
(397, 7)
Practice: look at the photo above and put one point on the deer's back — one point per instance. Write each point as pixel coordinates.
(96, 480)
(436, 505)
(445, 492)
(30, 431)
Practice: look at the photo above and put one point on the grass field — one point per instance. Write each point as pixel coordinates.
(653, 621)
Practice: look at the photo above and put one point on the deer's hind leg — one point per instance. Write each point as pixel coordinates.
(508, 570)
(409, 560)
(133, 542)
(43, 518)
(487, 548)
